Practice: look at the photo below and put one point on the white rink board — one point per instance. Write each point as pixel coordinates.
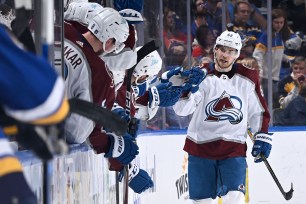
(163, 157)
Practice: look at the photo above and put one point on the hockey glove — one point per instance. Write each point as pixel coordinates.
(45, 141)
(139, 180)
(175, 73)
(262, 145)
(121, 112)
(140, 89)
(133, 123)
(195, 77)
(123, 148)
(164, 95)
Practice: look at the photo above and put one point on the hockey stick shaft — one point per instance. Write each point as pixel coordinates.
(287, 195)
(141, 53)
(99, 115)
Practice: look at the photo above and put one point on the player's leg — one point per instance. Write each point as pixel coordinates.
(13, 186)
(232, 179)
(202, 179)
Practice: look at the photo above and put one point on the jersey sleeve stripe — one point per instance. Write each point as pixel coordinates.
(9, 165)
(53, 110)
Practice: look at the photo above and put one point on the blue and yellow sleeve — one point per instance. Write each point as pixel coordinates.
(31, 90)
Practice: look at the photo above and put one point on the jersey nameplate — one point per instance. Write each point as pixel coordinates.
(72, 55)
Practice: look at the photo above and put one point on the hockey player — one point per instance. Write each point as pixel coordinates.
(226, 101)
(32, 96)
(124, 57)
(88, 78)
(144, 73)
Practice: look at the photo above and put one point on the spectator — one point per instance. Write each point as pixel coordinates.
(174, 40)
(281, 33)
(200, 19)
(295, 113)
(249, 33)
(256, 18)
(212, 10)
(206, 40)
(289, 87)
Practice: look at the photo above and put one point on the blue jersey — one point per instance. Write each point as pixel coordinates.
(30, 89)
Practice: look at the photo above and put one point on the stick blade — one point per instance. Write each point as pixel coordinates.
(99, 115)
(289, 194)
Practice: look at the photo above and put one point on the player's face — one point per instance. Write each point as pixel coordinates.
(110, 45)
(140, 79)
(225, 56)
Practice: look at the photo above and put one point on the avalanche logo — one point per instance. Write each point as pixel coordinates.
(225, 107)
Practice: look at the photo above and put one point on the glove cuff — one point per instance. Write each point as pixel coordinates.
(133, 171)
(116, 146)
(265, 137)
(153, 97)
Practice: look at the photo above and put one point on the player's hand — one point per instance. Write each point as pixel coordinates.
(139, 179)
(123, 148)
(45, 141)
(166, 76)
(164, 95)
(194, 76)
(262, 145)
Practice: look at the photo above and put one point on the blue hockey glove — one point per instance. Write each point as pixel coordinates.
(262, 145)
(121, 112)
(195, 76)
(123, 148)
(140, 89)
(133, 123)
(164, 95)
(139, 180)
(166, 76)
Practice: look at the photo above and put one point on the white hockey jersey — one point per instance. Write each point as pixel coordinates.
(222, 109)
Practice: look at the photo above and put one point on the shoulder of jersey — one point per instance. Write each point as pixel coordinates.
(246, 66)
(207, 66)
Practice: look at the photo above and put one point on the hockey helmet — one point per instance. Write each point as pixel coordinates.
(107, 24)
(150, 65)
(82, 12)
(230, 39)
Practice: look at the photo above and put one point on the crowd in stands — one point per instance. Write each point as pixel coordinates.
(249, 19)
(246, 17)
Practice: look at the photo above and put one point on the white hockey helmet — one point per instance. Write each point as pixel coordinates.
(150, 65)
(82, 12)
(107, 24)
(230, 39)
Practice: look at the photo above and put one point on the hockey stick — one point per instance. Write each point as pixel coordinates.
(287, 195)
(99, 115)
(141, 53)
